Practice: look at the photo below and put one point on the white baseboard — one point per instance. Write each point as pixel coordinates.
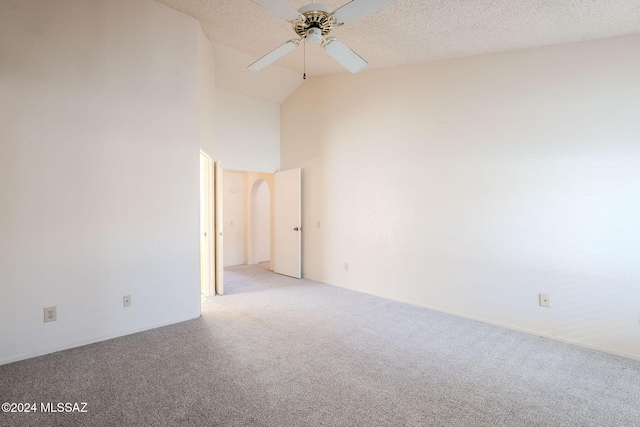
(81, 343)
(496, 323)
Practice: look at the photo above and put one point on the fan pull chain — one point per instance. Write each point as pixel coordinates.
(304, 59)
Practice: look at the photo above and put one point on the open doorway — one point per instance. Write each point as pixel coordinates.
(248, 218)
(260, 224)
(259, 205)
(253, 233)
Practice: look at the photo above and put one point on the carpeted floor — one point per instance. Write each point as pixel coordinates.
(276, 351)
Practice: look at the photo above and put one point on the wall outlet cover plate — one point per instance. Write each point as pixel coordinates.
(50, 314)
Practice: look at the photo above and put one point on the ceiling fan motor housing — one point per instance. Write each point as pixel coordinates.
(317, 21)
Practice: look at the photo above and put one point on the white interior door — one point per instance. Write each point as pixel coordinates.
(287, 224)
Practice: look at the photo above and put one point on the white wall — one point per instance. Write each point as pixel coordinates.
(206, 91)
(233, 217)
(247, 133)
(471, 185)
(98, 171)
(247, 139)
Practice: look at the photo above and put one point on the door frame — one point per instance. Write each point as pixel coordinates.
(207, 266)
(219, 224)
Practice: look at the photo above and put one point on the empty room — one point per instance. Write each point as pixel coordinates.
(337, 213)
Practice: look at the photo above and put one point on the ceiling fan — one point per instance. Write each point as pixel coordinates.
(313, 23)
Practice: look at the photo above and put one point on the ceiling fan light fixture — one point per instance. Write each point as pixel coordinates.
(314, 35)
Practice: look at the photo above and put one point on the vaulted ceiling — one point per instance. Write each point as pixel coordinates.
(404, 32)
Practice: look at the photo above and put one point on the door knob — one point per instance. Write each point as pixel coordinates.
(295, 229)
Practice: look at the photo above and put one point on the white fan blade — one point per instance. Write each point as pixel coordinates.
(274, 55)
(345, 56)
(358, 8)
(279, 8)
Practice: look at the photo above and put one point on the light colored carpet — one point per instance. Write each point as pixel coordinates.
(277, 351)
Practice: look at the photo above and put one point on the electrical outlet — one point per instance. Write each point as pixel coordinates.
(50, 314)
(544, 300)
(346, 266)
(126, 301)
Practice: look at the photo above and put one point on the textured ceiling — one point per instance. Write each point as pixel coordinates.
(405, 32)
